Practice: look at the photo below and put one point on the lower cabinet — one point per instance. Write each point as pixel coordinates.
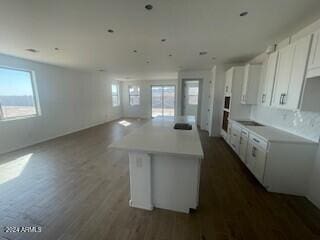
(280, 166)
(235, 138)
(256, 159)
(243, 145)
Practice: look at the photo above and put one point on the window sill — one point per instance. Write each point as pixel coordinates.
(19, 118)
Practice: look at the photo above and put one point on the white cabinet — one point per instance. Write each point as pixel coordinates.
(290, 74)
(281, 162)
(256, 157)
(235, 137)
(250, 85)
(228, 85)
(314, 60)
(267, 81)
(243, 145)
(283, 75)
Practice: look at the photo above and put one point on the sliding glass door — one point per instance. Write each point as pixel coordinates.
(163, 100)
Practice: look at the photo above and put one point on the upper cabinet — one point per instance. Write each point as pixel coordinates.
(290, 74)
(314, 61)
(267, 81)
(228, 85)
(250, 84)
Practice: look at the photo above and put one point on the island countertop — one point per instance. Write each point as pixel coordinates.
(159, 137)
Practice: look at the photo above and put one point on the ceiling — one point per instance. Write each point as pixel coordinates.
(79, 28)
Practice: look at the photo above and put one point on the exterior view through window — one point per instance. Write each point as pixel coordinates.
(163, 100)
(134, 95)
(17, 94)
(115, 95)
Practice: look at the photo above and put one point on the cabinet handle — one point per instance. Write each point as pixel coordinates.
(281, 96)
(254, 152)
(284, 99)
(263, 98)
(256, 140)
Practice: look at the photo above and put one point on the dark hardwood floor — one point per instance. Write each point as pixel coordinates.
(75, 187)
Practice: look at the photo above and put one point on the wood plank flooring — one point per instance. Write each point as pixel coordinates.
(74, 187)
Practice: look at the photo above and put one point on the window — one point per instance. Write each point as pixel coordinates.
(134, 95)
(17, 94)
(193, 95)
(115, 95)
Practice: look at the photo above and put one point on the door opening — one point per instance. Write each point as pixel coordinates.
(163, 101)
(190, 101)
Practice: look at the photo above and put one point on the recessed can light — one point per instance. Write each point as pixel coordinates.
(32, 50)
(243, 14)
(148, 7)
(110, 31)
(203, 53)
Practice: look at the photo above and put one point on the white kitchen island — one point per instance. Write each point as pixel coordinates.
(164, 165)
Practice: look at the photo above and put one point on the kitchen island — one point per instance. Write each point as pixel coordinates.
(164, 165)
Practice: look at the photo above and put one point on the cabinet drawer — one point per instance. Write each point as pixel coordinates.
(258, 141)
(244, 133)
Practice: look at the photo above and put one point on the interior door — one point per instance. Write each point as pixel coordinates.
(190, 98)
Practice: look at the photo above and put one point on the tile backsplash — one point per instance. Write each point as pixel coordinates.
(304, 124)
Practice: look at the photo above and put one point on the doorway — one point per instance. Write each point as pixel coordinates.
(163, 101)
(190, 101)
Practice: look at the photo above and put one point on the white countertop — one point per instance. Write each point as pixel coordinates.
(158, 136)
(275, 135)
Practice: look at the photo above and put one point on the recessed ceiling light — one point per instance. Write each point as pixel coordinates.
(110, 31)
(149, 7)
(32, 50)
(243, 14)
(163, 40)
(203, 53)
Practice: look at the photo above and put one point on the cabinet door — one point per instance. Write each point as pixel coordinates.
(250, 160)
(283, 75)
(235, 139)
(245, 84)
(260, 162)
(243, 146)
(298, 73)
(256, 160)
(228, 85)
(314, 61)
(268, 81)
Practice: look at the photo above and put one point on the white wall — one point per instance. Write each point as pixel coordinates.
(207, 78)
(70, 100)
(144, 109)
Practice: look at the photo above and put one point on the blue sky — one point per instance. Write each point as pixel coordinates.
(15, 83)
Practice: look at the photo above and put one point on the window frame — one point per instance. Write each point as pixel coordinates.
(34, 93)
(134, 95)
(117, 95)
(193, 95)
